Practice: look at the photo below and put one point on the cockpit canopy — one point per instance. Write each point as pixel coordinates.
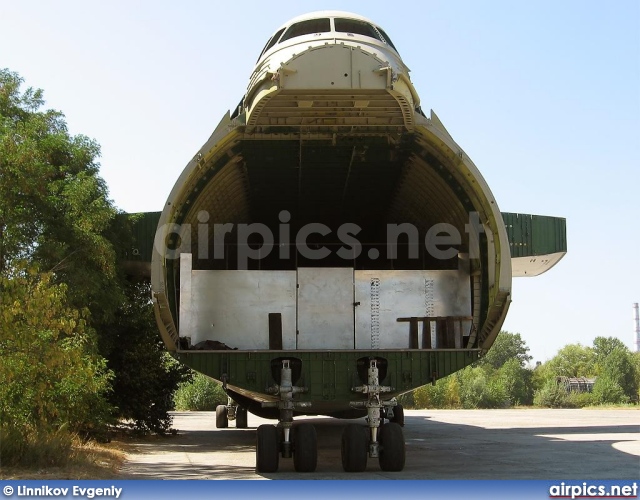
(336, 24)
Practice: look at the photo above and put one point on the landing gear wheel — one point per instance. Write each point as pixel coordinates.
(267, 449)
(305, 451)
(398, 415)
(222, 420)
(241, 418)
(355, 448)
(392, 452)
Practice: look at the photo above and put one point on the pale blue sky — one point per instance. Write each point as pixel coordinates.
(544, 96)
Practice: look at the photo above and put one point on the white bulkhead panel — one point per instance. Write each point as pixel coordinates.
(233, 307)
(321, 308)
(325, 308)
(385, 296)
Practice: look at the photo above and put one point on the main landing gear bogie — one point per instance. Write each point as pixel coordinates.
(356, 445)
(392, 451)
(270, 447)
(299, 442)
(305, 448)
(384, 441)
(231, 411)
(267, 449)
(355, 448)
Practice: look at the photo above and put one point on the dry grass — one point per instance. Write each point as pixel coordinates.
(628, 406)
(88, 461)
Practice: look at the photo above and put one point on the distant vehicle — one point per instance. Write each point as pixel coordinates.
(330, 247)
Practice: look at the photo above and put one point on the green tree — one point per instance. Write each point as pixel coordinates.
(540, 375)
(54, 208)
(145, 375)
(517, 382)
(618, 369)
(506, 346)
(573, 360)
(482, 388)
(56, 216)
(635, 361)
(607, 390)
(603, 346)
(614, 359)
(50, 376)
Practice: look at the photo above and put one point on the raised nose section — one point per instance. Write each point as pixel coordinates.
(333, 85)
(334, 66)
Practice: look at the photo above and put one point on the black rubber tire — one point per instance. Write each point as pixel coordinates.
(241, 418)
(305, 452)
(267, 449)
(222, 420)
(392, 451)
(398, 415)
(355, 448)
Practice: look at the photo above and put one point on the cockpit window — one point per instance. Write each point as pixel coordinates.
(307, 28)
(272, 41)
(357, 28)
(362, 28)
(386, 38)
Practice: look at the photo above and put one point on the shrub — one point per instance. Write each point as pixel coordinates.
(407, 400)
(452, 393)
(482, 388)
(608, 391)
(618, 373)
(201, 394)
(516, 382)
(552, 395)
(580, 399)
(430, 396)
(146, 376)
(444, 394)
(49, 376)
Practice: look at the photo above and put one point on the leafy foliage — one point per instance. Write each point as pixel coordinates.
(502, 379)
(552, 395)
(50, 373)
(499, 379)
(507, 346)
(444, 394)
(54, 208)
(609, 361)
(604, 346)
(51, 380)
(618, 370)
(517, 382)
(481, 388)
(573, 360)
(607, 390)
(199, 394)
(145, 375)
(78, 339)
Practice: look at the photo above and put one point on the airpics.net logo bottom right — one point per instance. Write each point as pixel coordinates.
(586, 490)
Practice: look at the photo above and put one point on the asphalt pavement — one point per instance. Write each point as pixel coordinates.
(440, 444)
